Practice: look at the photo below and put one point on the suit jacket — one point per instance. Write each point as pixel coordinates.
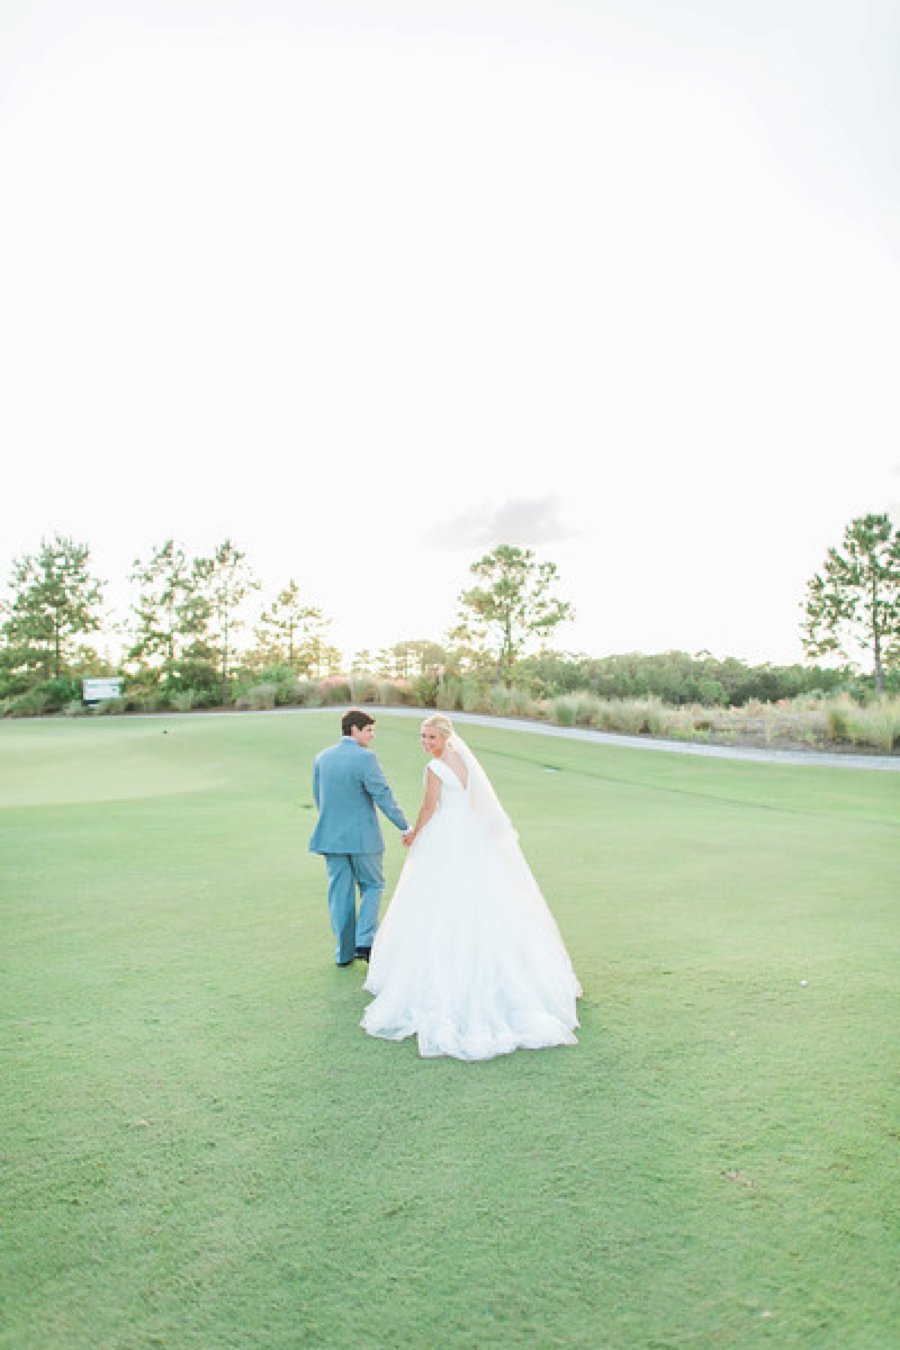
(348, 783)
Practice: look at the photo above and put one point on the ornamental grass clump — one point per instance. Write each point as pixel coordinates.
(838, 717)
(512, 702)
(184, 700)
(110, 707)
(301, 694)
(363, 688)
(633, 716)
(877, 725)
(33, 703)
(563, 710)
(586, 708)
(393, 693)
(679, 723)
(448, 695)
(333, 689)
(259, 697)
(473, 695)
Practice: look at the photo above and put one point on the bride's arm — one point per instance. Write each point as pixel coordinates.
(428, 807)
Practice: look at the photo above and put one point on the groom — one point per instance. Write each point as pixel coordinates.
(347, 786)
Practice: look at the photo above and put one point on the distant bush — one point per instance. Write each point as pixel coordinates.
(448, 694)
(423, 690)
(877, 725)
(837, 720)
(187, 700)
(110, 706)
(562, 711)
(363, 689)
(462, 693)
(48, 696)
(334, 689)
(576, 709)
(288, 688)
(258, 697)
(512, 702)
(807, 720)
(676, 678)
(33, 703)
(301, 694)
(634, 717)
(148, 700)
(393, 693)
(474, 695)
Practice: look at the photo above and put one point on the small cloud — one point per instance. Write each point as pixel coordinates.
(522, 521)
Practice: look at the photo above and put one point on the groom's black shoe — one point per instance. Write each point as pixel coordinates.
(363, 953)
(347, 963)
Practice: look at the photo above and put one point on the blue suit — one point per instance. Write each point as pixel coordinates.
(348, 783)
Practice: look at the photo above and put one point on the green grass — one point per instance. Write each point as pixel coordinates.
(201, 1148)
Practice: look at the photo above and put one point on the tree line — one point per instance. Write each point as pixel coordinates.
(185, 641)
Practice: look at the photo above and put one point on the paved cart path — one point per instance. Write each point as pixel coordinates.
(886, 763)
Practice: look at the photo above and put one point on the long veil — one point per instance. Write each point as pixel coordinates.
(483, 800)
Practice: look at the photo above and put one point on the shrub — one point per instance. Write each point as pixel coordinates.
(578, 709)
(363, 689)
(108, 706)
(289, 688)
(33, 703)
(474, 695)
(636, 717)
(392, 692)
(258, 697)
(711, 691)
(563, 710)
(448, 694)
(186, 700)
(334, 689)
(148, 700)
(512, 702)
(877, 725)
(300, 694)
(46, 697)
(837, 720)
(588, 709)
(423, 690)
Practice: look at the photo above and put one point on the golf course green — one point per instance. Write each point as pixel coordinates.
(202, 1149)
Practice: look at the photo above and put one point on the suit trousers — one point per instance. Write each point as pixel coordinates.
(348, 872)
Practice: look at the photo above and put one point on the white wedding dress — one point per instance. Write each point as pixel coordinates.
(468, 957)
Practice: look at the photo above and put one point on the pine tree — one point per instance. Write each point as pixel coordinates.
(854, 602)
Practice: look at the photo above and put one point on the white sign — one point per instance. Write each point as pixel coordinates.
(93, 691)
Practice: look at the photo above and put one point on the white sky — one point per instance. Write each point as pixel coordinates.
(371, 287)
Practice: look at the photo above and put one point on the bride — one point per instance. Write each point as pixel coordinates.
(468, 957)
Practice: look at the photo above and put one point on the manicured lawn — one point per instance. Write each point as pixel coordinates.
(201, 1148)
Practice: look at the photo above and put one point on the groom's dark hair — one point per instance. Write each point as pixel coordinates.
(355, 718)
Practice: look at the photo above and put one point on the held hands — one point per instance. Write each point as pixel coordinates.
(408, 837)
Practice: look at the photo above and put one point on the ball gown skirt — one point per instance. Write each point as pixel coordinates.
(468, 957)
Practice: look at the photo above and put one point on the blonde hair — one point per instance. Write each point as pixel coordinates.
(440, 723)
